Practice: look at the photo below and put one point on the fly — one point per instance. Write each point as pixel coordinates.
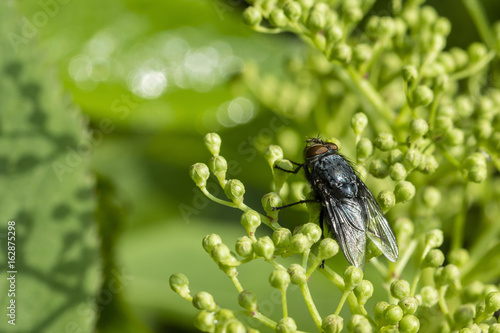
(347, 206)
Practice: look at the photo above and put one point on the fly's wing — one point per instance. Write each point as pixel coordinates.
(378, 229)
(344, 216)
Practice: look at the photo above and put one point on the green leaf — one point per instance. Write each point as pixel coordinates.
(47, 190)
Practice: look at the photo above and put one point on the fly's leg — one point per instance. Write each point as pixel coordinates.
(293, 204)
(299, 166)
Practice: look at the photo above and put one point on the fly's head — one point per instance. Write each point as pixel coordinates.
(316, 148)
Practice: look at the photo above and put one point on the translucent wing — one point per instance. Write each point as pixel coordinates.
(377, 227)
(344, 217)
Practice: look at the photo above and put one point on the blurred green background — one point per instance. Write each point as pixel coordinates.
(163, 74)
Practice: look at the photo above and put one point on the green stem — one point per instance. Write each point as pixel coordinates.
(310, 305)
(476, 11)
(444, 306)
(403, 260)
(342, 301)
(263, 319)
(383, 271)
(284, 303)
(474, 69)
(237, 283)
(458, 225)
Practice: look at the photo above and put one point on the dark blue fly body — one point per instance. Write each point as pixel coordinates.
(348, 207)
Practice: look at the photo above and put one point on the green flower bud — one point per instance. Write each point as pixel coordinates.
(434, 258)
(332, 324)
(180, 284)
(306, 3)
(213, 142)
(428, 164)
(458, 257)
(379, 311)
(395, 156)
(379, 168)
(429, 296)
(386, 198)
(400, 289)
(234, 190)
(492, 302)
(362, 172)
(352, 14)
(299, 243)
(409, 305)
(244, 246)
(397, 171)
(272, 154)
(437, 43)
(418, 128)
(205, 321)
(264, 247)
(476, 159)
(393, 314)
(473, 292)
(252, 16)
(316, 20)
(362, 53)
(327, 248)
(428, 15)
(204, 301)
(286, 325)
(410, 73)
(448, 275)
(312, 231)
(431, 197)
(412, 158)
(292, 10)
(477, 174)
(409, 324)
(218, 166)
(250, 220)
(364, 149)
(224, 316)
(460, 57)
(281, 238)
(385, 141)
(403, 229)
(442, 26)
(464, 315)
(209, 241)
(483, 129)
(489, 288)
(352, 276)
(341, 52)
(372, 250)
(269, 202)
(455, 137)
(359, 324)
(363, 291)
(247, 300)
(333, 33)
(199, 174)
(434, 238)
(222, 255)
(422, 96)
(404, 191)
(280, 279)
(477, 52)
(494, 328)
(297, 274)
(359, 122)
(444, 123)
(277, 18)
(235, 326)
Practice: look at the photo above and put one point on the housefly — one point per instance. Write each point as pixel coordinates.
(348, 207)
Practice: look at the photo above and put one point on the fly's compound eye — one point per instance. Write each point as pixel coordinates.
(332, 146)
(314, 150)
